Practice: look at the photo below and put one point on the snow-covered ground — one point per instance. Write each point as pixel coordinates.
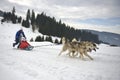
(43, 63)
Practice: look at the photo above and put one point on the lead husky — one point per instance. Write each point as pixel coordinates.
(67, 46)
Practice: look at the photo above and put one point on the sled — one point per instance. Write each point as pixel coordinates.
(24, 45)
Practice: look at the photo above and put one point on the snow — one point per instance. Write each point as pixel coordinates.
(43, 62)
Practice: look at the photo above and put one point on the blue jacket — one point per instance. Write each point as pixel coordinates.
(19, 34)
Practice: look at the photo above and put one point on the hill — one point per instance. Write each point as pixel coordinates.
(43, 63)
(107, 37)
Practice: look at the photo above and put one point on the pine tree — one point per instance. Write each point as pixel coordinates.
(13, 16)
(56, 41)
(13, 10)
(23, 23)
(31, 40)
(42, 38)
(19, 19)
(27, 23)
(28, 15)
(33, 21)
(49, 38)
(33, 27)
(38, 38)
(33, 18)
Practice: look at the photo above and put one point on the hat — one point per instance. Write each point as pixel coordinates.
(23, 39)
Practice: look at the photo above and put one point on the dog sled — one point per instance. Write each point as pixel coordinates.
(24, 45)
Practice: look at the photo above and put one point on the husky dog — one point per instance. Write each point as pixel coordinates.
(67, 46)
(80, 47)
(91, 45)
(84, 47)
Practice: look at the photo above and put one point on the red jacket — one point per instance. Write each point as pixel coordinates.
(24, 44)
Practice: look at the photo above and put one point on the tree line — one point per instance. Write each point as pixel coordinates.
(46, 38)
(11, 17)
(50, 26)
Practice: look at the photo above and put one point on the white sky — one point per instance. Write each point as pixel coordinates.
(71, 10)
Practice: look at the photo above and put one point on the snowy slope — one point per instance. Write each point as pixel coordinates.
(43, 63)
(111, 38)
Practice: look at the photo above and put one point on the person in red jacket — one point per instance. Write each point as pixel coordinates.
(25, 45)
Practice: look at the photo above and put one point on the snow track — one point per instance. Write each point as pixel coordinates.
(43, 63)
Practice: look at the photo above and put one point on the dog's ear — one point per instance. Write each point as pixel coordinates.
(74, 40)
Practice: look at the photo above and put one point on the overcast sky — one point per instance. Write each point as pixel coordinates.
(102, 15)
